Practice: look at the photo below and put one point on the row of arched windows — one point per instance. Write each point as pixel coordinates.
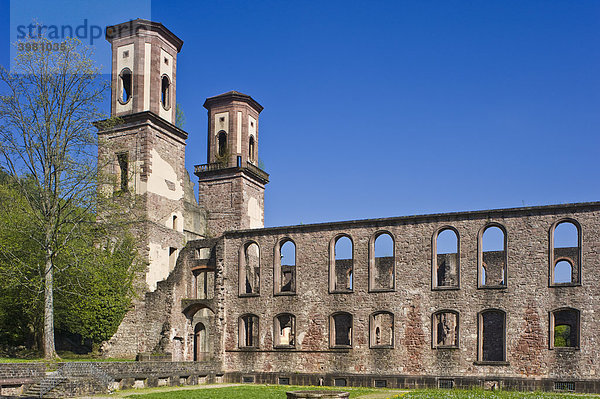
(223, 151)
(492, 261)
(564, 331)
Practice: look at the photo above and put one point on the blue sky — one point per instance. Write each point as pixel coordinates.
(387, 108)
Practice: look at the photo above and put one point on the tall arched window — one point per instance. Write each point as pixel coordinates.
(492, 257)
(251, 149)
(222, 144)
(565, 253)
(382, 264)
(249, 269)
(125, 85)
(165, 92)
(446, 260)
(341, 263)
(284, 267)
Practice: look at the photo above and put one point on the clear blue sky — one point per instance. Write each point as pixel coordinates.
(389, 108)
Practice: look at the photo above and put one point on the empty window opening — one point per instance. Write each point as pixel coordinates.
(200, 343)
(125, 85)
(341, 329)
(284, 380)
(251, 149)
(382, 330)
(339, 382)
(175, 227)
(380, 383)
(204, 280)
(492, 336)
(222, 144)
(382, 263)
(492, 259)
(248, 379)
(446, 259)
(285, 267)
(342, 264)
(165, 88)
(248, 333)
(564, 327)
(249, 269)
(285, 331)
(172, 258)
(445, 383)
(123, 161)
(565, 255)
(445, 329)
(568, 386)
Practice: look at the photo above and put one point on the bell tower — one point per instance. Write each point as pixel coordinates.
(231, 184)
(144, 151)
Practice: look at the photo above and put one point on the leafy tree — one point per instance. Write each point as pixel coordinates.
(48, 148)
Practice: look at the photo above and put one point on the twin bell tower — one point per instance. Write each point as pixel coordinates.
(144, 152)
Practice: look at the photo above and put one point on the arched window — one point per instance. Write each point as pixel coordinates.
(444, 326)
(249, 269)
(564, 328)
(340, 330)
(492, 257)
(285, 267)
(565, 253)
(381, 330)
(492, 336)
(200, 343)
(222, 144)
(382, 264)
(165, 92)
(125, 85)
(251, 149)
(248, 331)
(446, 260)
(341, 264)
(284, 331)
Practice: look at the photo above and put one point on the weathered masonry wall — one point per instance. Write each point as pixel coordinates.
(526, 300)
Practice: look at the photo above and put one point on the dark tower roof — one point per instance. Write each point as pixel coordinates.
(131, 28)
(230, 96)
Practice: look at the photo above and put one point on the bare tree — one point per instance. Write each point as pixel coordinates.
(48, 146)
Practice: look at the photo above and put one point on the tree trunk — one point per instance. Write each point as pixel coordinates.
(49, 349)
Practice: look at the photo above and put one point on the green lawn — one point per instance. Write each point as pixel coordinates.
(278, 392)
(246, 392)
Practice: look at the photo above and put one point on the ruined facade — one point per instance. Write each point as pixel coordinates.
(491, 298)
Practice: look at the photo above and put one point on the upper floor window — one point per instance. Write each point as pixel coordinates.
(123, 162)
(284, 273)
(341, 264)
(565, 253)
(165, 92)
(446, 260)
(382, 263)
(249, 269)
(340, 330)
(221, 144)
(492, 257)
(125, 86)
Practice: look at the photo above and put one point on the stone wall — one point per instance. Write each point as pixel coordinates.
(526, 300)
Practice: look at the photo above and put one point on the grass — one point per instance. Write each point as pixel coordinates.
(478, 393)
(248, 392)
(278, 392)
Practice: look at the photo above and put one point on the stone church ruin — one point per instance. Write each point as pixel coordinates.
(503, 297)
